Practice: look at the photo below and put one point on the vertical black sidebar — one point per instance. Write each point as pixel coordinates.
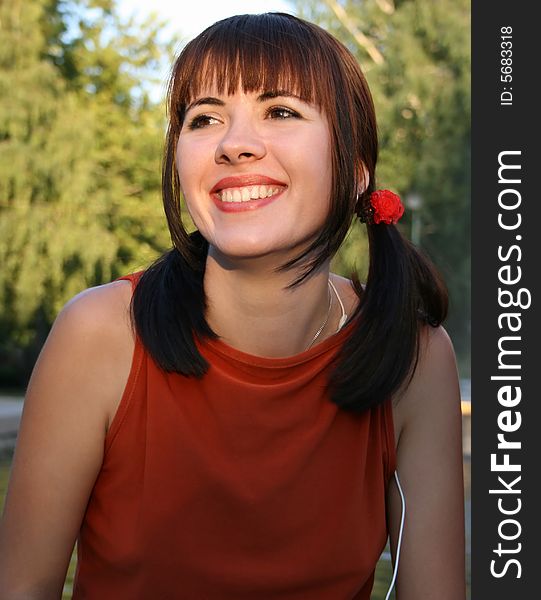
(506, 256)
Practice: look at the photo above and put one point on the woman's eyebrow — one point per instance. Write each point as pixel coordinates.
(205, 100)
(261, 98)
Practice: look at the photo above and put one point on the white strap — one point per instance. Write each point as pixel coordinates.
(402, 519)
(344, 316)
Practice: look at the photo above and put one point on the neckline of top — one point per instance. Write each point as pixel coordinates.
(219, 346)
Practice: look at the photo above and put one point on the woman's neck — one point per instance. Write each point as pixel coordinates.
(251, 311)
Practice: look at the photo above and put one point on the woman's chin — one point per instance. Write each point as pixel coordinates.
(270, 240)
(245, 251)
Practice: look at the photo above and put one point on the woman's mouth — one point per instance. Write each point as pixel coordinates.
(247, 197)
(247, 193)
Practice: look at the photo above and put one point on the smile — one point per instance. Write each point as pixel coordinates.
(247, 193)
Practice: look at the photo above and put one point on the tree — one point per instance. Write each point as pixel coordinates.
(80, 149)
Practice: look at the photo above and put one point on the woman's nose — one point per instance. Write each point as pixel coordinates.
(240, 143)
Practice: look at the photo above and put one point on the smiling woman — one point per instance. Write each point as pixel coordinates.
(230, 422)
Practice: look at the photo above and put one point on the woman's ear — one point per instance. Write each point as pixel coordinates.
(363, 179)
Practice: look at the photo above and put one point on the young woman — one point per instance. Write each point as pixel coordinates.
(253, 434)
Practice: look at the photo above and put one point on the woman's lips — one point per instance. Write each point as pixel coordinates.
(248, 179)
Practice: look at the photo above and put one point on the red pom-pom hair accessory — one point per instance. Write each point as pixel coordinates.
(382, 206)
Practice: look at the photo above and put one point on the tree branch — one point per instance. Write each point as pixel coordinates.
(361, 39)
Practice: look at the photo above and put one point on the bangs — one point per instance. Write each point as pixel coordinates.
(251, 53)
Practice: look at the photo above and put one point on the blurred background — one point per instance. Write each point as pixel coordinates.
(82, 123)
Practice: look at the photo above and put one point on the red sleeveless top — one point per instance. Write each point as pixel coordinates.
(246, 484)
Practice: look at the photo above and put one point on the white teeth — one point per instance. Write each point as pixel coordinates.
(244, 194)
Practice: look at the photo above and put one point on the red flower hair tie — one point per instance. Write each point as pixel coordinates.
(383, 206)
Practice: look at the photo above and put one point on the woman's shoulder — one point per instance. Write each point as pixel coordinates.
(433, 394)
(101, 299)
(430, 465)
(98, 318)
(100, 313)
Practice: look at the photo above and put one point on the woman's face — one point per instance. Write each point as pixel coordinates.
(255, 171)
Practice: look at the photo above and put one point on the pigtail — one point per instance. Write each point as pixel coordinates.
(168, 307)
(403, 291)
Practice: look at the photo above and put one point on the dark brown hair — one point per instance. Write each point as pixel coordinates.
(270, 52)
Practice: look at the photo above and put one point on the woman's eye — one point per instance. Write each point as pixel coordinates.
(279, 112)
(200, 121)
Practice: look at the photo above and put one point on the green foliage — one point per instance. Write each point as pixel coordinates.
(421, 90)
(80, 150)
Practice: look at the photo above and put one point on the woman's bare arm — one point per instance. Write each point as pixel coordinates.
(78, 377)
(429, 464)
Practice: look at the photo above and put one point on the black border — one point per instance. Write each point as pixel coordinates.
(497, 128)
